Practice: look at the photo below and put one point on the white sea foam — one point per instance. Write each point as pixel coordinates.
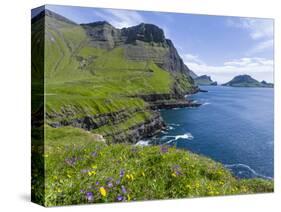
(241, 165)
(143, 143)
(186, 136)
(176, 125)
(170, 128)
(206, 103)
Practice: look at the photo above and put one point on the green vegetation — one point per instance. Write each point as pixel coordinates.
(73, 166)
(78, 168)
(84, 81)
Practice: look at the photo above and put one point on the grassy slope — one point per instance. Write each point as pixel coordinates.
(82, 80)
(77, 164)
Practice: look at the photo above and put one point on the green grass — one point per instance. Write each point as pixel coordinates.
(75, 163)
(109, 88)
(84, 81)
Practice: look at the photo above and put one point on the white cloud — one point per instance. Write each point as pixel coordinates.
(258, 28)
(259, 68)
(192, 58)
(120, 18)
(261, 46)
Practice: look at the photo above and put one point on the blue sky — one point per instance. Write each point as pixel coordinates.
(219, 46)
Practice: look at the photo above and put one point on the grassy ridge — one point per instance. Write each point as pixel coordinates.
(78, 168)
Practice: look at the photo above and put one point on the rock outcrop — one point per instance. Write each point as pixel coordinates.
(204, 80)
(133, 134)
(246, 81)
(141, 43)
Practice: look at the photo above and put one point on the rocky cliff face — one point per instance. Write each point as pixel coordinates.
(142, 42)
(84, 84)
(132, 134)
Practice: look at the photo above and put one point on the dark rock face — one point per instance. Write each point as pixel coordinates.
(204, 80)
(103, 35)
(143, 32)
(139, 131)
(92, 122)
(141, 42)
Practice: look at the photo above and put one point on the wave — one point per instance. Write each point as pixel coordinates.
(206, 103)
(164, 132)
(143, 143)
(186, 136)
(244, 171)
(170, 128)
(176, 125)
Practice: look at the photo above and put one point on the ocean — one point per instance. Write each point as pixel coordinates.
(234, 126)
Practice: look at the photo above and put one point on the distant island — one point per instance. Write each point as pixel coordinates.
(247, 81)
(204, 80)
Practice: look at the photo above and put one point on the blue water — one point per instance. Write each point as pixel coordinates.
(234, 126)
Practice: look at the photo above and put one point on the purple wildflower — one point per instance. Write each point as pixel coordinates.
(177, 172)
(124, 191)
(176, 169)
(120, 198)
(97, 183)
(110, 184)
(117, 182)
(122, 173)
(70, 161)
(164, 149)
(84, 171)
(94, 154)
(89, 196)
(109, 179)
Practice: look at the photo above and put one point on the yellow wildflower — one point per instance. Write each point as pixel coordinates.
(90, 173)
(128, 197)
(174, 174)
(103, 191)
(132, 177)
(128, 176)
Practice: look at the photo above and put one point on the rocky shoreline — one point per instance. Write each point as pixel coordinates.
(133, 134)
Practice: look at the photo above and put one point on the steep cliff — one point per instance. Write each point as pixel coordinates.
(110, 80)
